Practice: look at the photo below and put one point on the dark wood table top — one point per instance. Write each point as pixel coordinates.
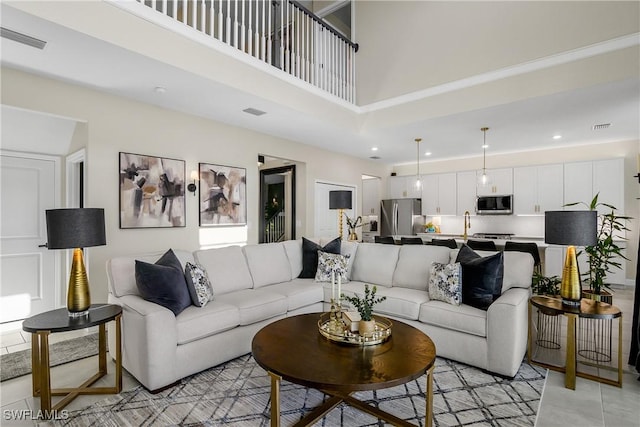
(59, 320)
(588, 308)
(294, 349)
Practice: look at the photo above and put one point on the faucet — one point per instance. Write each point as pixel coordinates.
(467, 224)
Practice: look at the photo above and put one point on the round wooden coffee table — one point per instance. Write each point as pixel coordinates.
(294, 350)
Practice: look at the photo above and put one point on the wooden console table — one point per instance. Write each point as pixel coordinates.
(588, 309)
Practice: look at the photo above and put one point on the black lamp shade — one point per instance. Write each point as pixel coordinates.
(75, 228)
(340, 199)
(576, 228)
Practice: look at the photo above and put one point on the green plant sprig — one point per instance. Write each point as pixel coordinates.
(365, 305)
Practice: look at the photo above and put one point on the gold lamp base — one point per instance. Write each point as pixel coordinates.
(571, 287)
(340, 214)
(78, 298)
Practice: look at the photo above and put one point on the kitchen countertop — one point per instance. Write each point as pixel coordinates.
(499, 242)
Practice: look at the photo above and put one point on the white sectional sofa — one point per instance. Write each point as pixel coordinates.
(257, 284)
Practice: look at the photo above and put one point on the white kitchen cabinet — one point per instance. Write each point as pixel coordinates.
(500, 182)
(536, 189)
(583, 180)
(371, 196)
(403, 187)
(439, 194)
(466, 192)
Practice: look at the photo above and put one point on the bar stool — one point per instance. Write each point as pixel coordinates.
(411, 241)
(531, 248)
(482, 245)
(387, 240)
(450, 243)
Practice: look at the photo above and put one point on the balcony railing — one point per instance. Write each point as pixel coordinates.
(282, 33)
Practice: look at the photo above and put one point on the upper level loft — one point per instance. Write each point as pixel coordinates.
(281, 33)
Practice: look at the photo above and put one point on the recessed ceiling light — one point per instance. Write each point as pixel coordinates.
(428, 153)
(557, 136)
(374, 148)
(485, 145)
(254, 111)
(601, 126)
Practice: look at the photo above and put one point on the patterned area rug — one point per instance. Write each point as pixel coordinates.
(237, 394)
(16, 364)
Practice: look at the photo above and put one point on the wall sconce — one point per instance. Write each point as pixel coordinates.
(192, 187)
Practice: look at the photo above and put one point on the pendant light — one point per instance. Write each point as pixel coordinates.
(418, 182)
(484, 178)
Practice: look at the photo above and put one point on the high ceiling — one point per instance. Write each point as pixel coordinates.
(516, 123)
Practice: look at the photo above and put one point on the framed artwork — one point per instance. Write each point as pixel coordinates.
(151, 191)
(223, 195)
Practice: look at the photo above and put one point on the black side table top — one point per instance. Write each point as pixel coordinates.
(59, 320)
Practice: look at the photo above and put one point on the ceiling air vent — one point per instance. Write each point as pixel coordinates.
(601, 126)
(254, 111)
(375, 157)
(22, 38)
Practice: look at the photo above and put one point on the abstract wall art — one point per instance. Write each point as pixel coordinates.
(223, 195)
(151, 191)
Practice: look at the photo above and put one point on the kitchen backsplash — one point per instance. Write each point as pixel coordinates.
(525, 226)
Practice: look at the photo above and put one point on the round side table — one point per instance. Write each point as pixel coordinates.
(41, 325)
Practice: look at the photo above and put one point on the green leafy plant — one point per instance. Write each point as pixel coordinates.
(543, 285)
(365, 305)
(604, 254)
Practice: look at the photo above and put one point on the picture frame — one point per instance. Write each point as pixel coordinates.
(151, 191)
(222, 195)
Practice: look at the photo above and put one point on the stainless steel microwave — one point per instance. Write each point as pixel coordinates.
(494, 205)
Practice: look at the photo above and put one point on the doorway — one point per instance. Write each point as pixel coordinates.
(277, 204)
(327, 220)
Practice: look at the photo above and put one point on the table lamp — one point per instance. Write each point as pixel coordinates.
(341, 200)
(76, 229)
(573, 228)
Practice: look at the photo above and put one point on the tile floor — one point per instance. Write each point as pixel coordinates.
(591, 405)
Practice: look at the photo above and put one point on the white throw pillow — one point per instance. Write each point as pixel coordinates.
(199, 285)
(327, 263)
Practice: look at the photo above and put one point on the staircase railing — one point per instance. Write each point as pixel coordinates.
(282, 33)
(274, 227)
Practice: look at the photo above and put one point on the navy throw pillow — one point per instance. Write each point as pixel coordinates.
(310, 256)
(481, 277)
(164, 283)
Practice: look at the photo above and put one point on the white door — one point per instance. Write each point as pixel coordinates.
(29, 282)
(326, 220)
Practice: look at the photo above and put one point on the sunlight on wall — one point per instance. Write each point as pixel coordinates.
(217, 237)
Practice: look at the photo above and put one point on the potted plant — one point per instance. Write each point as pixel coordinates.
(604, 255)
(364, 306)
(542, 285)
(352, 225)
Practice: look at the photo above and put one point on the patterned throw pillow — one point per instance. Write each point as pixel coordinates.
(199, 285)
(444, 283)
(327, 263)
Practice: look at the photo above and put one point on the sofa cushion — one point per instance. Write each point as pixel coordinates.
(330, 264)
(255, 305)
(401, 302)
(299, 292)
(310, 255)
(198, 284)
(481, 277)
(414, 264)
(163, 283)
(195, 323)
(268, 264)
(518, 268)
(375, 263)
(121, 270)
(293, 249)
(445, 283)
(462, 318)
(227, 269)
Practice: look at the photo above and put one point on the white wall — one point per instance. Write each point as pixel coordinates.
(116, 124)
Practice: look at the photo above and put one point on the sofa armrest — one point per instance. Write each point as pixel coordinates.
(507, 331)
(149, 341)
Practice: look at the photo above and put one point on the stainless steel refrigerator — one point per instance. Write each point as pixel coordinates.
(400, 217)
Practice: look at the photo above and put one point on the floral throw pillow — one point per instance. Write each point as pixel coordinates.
(327, 263)
(444, 283)
(199, 285)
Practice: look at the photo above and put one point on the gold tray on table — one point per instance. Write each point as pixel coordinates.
(341, 334)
